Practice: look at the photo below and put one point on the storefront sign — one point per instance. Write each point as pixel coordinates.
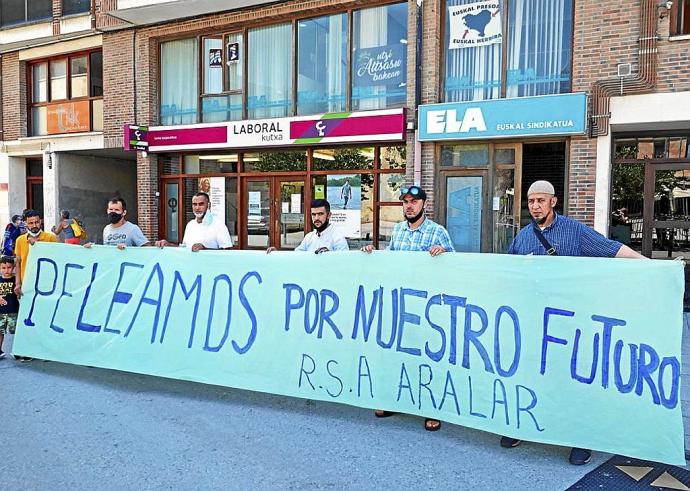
(475, 24)
(357, 127)
(136, 137)
(384, 65)
(564, 114)
(571, 351)
(69, 117)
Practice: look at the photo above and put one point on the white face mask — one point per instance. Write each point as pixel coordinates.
(199, 214)
(32, 234)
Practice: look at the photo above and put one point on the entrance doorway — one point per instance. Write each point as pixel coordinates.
(274, 213)
(34, 184)
(650, 197)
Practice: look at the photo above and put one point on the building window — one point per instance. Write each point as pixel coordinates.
(70, 7)
(222, 78)
(308, 72)
(537, 49)
(680, 18)
(322, 64)
(270, 84)
(14, 12)
(66, 94)
(179, 81)
(379, 53)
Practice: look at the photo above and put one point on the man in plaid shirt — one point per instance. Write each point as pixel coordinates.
(416, 233)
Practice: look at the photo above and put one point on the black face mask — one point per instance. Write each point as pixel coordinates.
(416, 217)
(323, 226)
(114, 217)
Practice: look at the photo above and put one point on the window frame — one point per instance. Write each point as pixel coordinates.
(244, 51)
(26, 20)
(679, 16)
(504, 51)
(78, 12)
(67, 57)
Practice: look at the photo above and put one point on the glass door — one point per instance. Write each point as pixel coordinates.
(171, 203)
(667, 210)
(465, 212)
(505, 204)
(258, 201)
(291, 221)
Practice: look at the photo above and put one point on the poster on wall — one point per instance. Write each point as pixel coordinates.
(475, 24)
(215, 58)
(254, 202)
(215, 188)
(233, 53)
(344, 193)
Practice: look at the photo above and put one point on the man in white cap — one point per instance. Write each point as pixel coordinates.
(555, 235)
(564, 236)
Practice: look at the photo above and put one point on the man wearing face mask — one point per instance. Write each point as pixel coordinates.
(33, 234)
(205, 231)
(324, 237)
(416, 233)
(120, 232)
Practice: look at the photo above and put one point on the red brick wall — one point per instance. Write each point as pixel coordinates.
(14, 110)
(118, 76)
(605, 36)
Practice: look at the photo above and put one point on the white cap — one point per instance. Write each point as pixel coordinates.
(541, 187)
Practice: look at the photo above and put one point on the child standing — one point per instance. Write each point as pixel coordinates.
(9, 306)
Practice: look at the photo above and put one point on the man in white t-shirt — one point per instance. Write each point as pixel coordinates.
(204, 232)
(324, 237)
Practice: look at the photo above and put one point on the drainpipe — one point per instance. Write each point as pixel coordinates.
(641, 82)
(418, 93)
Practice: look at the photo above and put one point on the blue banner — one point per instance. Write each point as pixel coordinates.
(564, 114)
(580, 352)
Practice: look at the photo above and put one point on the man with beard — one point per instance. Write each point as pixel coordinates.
(324, 237)
(206, 231)
(416, 233)
(120, 232)
(34, 222)
(555, 235)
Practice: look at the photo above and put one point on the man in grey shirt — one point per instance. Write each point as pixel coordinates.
(120, 232)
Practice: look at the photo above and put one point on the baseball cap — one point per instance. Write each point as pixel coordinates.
(541, 187)
(415, 191)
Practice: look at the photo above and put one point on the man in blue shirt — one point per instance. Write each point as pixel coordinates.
(416, 233)
(556, 235)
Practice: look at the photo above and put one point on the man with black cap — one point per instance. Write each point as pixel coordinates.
(555, 235)
(416, 233)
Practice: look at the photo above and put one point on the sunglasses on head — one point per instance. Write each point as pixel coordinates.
(413, 190)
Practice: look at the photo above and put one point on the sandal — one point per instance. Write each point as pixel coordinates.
(432, 424)
(380, 413)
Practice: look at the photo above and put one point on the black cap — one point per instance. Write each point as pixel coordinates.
(414, 191)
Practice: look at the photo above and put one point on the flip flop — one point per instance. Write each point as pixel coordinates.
(380, 413)
(431, 424)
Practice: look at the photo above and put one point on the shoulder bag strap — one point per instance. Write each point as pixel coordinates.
(550, 250)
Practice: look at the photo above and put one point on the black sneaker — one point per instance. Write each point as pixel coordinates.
(580, 456)
(507, 442)
(2, 354)
(26, 358)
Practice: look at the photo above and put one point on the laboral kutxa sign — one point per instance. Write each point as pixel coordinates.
(581, 353)
(564, 114)
(347, 127)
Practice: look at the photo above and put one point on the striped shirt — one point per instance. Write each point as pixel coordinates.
(423, 238)
(569, 237)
